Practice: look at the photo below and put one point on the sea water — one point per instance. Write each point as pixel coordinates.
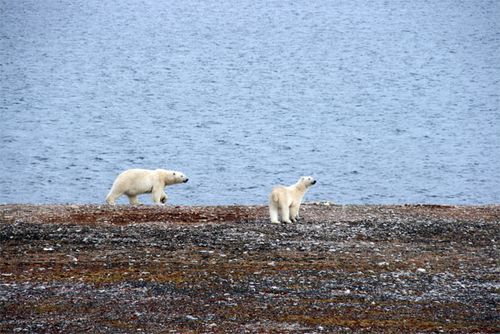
(380, 101)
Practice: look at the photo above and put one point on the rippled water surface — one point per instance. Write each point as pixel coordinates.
(382, 101)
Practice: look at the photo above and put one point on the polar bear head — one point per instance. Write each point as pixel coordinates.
(307, 181)
(171, 176)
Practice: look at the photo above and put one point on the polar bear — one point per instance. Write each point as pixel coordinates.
(288, 199)
(135, 182)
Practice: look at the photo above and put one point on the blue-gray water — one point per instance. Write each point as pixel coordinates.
(381, 101)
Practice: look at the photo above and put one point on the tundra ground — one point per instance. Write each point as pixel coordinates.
(392, 269)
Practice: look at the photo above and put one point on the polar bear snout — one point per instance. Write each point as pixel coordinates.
(185, 180)
(307, 180)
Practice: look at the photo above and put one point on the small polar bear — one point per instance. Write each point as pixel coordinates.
(134, 182)
(287, 200)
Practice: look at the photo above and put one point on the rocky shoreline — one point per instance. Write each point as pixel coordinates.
(226, 269)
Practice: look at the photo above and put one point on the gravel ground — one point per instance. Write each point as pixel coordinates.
(392, 269)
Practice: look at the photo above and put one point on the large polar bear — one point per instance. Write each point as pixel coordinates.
(135, 182)
(288, 199)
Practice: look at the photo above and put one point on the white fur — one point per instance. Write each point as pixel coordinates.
(287, 200)
(134, 182)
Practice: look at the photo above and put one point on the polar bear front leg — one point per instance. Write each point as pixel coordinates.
(294, 212)
(285, 214)
(159, 196)
(164, 198)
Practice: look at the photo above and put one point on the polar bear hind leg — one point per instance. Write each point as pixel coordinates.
(274, 207)
(132, 199)
(111, 198)
(273, 212)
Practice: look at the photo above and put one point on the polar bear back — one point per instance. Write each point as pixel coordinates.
(284, 194)
(135, 181)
